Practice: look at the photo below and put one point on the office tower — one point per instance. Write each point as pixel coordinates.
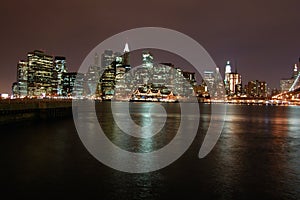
(22, 77)
(228, 67)
(15, 90)
(143, 75)
(126, 55)
(92, 78)
(257, 89)
(107, 80)
(59, 69)
(226, 78)
(209, 78)
(113, 79)
(213, 83)
(107, 58)
(40, 73)
(295, 71)
(147, 60)
(234, 83)
(72, 84)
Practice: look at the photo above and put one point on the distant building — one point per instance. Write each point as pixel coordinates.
(287, 84)
(144, 74)
(15, 89)
(257, 89)
(274, 92)
(21, 89)
(72, 84)
(234, 84)
(107, 58)
(59, 69)
(92, 78)
(115, 66)
(232, 81)
(226, 77)
(40, 73)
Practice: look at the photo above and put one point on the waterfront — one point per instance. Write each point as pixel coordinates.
(257, 156)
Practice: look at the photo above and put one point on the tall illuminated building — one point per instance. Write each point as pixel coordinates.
(126, 55)
(22, 78)
(209, 78)
(227, 77)
(256, 89)
(144, 74)
(235, 82)
(40, 73)
(72, 84)
(147, 60)
(232, 81)
(295, 71)
(59, 69)
(107, 58)
(228, 67)
(115, 66)
(122, 81)
(107, 80)
(92, 78)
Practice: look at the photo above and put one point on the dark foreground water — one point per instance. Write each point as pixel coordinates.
(257, 156)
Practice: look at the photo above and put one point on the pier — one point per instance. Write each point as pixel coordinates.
(12, 110)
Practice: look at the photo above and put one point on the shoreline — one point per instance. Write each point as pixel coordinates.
(17, 110)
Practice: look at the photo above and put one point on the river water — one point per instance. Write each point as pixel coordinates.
(257, 156)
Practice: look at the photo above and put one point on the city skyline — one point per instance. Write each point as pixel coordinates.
(110, 58)
(45, 76)
(261, 38)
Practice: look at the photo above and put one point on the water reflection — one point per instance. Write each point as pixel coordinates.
(257, 156)
(254, 151)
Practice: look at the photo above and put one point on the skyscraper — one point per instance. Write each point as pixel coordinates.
(232, 81)
(72, 84)
(235, 82)
(226, 79)
(144, 74)
(295, 71)
(92, 78)
(107, 58)
(59, 69)
(228, 67)
(40, 73)
(22, 77)
(115, 65)
(256, 89)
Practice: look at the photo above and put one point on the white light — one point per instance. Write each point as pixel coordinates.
(4, 96)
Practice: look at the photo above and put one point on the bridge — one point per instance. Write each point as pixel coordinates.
(292, 96)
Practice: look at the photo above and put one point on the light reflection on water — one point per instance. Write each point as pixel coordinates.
(257, 156)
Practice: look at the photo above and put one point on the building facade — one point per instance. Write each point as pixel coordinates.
(257, 89)
(21, 89)
(72, 84)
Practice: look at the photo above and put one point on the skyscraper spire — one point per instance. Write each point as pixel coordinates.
(126, 49)
(295, 72)
(227, 67)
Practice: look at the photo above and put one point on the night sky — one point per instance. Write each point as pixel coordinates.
(261, 37)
